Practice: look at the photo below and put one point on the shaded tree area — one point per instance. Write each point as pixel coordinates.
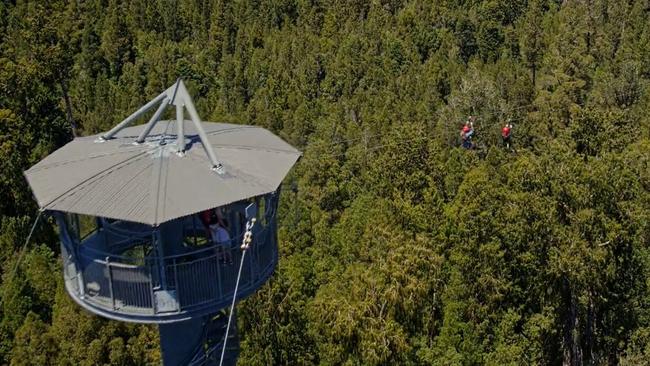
(398, 246)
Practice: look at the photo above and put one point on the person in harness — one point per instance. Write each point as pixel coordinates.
(467, 132)
(506, 135)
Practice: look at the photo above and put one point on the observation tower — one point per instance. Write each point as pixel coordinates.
(169, 222)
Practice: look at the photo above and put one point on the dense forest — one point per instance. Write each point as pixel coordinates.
(398, 246)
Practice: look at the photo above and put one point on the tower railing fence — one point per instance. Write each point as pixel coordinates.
(144, 284)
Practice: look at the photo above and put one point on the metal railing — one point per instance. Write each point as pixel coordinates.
(180, 283)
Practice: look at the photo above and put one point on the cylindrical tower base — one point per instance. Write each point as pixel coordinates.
(199, 341)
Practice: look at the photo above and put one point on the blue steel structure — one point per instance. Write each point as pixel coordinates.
(170, 275)
(158, 263)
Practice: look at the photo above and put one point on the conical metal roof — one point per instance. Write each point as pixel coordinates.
(147, 174)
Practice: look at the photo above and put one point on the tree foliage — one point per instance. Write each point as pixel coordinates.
(398, 246)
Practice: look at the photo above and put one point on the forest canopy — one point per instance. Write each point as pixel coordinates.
(398, 246)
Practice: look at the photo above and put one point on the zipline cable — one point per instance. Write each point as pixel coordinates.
(382, 134)
(331, 153)
(22, 250)
(246, 241)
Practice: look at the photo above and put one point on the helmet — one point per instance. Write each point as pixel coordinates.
(466, 128)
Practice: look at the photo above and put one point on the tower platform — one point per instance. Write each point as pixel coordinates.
(117, 271)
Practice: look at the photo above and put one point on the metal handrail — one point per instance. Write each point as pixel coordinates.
(101, 253)
(133, 293)
(150, 287)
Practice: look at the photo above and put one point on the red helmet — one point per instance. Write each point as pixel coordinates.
(466, 128)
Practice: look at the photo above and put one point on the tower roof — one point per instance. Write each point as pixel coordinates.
(148, 174)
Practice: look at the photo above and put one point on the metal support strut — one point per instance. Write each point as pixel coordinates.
(152, 121)
(176, 94)
(180, 135)
(132, 117)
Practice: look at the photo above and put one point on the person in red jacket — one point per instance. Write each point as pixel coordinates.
(506, 135)
(210, 217)
(467, 132)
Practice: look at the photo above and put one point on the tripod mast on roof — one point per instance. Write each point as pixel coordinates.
(177, 95)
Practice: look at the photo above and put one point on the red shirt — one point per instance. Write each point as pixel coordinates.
(505, 132)
(206, 217)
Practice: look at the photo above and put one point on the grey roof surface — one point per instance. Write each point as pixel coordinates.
(150, 183)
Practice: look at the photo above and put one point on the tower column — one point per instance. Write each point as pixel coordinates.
(198, 341)
(179, 341)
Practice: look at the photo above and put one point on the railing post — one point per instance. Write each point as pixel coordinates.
(161, 261)
(80, 280)
(153, 297)
(178, 296)
(216, 261)
(110, 281)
